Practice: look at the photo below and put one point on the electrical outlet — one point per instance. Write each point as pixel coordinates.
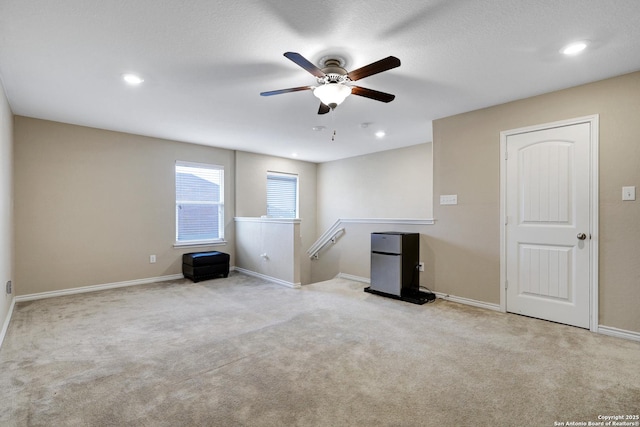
(421, 266)
(629, 193)
(9, 287)
(152, 259)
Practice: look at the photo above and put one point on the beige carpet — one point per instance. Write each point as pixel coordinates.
(243, 352)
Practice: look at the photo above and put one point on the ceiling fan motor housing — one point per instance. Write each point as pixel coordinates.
(333, 64)
(333, 78)
(334, 73)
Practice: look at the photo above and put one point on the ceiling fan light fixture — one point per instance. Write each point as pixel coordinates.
(332, 94)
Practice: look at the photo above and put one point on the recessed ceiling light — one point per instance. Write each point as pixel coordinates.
(575, 48)
(294, 154)
(380, 134)
(318, 128)
(132, 79)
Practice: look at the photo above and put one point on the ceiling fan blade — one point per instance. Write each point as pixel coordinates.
(304, 63)
(324, 109)
(293, 89)
(372, 94)
(374, 68)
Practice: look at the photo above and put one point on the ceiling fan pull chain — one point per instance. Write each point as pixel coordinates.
(333, 123)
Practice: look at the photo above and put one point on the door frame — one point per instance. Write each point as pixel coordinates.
(593, 120)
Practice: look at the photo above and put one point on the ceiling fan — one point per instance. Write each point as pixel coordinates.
(334, 81)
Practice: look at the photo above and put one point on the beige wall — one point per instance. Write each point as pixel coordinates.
(6, 205)
(389, 184)
(92, 205)
(465, 238)
(251, 193)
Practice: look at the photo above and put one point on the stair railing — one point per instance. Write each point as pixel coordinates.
(329, 236)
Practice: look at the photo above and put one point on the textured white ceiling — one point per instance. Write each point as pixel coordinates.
(205, 62)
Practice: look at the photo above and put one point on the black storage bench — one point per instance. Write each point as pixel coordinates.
(199, 266)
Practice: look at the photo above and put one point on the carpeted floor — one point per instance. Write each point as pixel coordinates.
(243, 352)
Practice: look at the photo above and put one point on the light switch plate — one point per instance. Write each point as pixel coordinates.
(629, 193)
(449, 199)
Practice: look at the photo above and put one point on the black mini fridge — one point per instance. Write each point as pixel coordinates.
(395, 257)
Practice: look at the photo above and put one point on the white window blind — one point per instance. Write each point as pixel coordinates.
(282, 195)
(199, 203)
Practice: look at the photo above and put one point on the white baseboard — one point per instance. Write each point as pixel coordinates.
(268, 278)
(354, 278)
(618, 333)
(461, 300)
(7, 319)
(468, 301)
(94, 288)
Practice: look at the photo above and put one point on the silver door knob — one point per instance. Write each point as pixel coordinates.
(582, 236)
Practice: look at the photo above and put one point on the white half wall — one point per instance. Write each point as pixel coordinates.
(269, 247)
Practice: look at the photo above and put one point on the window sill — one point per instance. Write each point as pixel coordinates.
(199, 244)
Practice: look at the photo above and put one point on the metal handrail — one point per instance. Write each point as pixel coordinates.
(320, 244)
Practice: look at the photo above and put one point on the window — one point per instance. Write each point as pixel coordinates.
(282, 195)
(199, 203)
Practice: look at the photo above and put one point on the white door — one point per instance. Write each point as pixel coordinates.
(547, 232)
